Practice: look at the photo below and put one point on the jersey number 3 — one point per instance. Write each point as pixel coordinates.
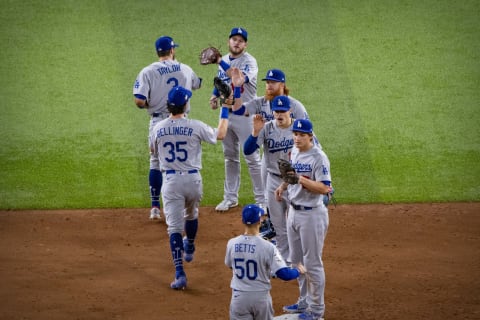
(246, 268)
(176, 151)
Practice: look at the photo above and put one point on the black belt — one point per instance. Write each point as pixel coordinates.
(276, 175)
(158, 114)
(176, 171)
(297, 207)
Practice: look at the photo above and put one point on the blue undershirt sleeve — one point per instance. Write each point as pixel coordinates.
(250, 145)
(287, 274)
(241, 111)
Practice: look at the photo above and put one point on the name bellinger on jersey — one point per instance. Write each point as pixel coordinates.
(180, 131)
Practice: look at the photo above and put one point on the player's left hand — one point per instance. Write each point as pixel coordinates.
(213, 102)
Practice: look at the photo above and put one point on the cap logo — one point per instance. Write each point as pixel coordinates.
(299, 124)
(240, 31)
(270, 74)
(280, 103)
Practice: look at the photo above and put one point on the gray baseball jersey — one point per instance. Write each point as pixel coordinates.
(307, 224)
(253, 260)
(277, 144)
(239, 128)
(176, 143)
(312, 164)
(248, 65)
(155, 81)
(262, 106)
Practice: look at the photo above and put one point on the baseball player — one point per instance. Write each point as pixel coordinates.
(252, 260)
(176, 145)
(239, 126)
(307, 220)
(150, 92)
(275, 85)
(276, 138)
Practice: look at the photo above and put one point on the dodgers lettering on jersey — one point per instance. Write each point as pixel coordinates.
(277, 144)
(312, 164)
(283, 145)
(302, 168)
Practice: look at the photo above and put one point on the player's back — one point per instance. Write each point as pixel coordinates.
(164, 75)
(179, 143)
(251, 259)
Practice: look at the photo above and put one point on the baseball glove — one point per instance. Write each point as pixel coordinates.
(267, 231)
(327, 198)
(209, 55)
(287, 172)
(224, 91)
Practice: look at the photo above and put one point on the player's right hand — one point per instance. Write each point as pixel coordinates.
(258, 123)
(213, 102)
(301, 268)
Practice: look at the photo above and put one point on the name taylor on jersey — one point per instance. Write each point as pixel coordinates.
(169, 69)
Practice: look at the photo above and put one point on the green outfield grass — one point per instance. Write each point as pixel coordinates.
(391, 86)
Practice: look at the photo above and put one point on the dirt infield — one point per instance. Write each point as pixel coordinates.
(382, 262)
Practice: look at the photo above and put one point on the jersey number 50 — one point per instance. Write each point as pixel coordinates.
(245, 268)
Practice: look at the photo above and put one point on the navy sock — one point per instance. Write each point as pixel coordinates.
(176, 245)
(155, 180)
(191, 227)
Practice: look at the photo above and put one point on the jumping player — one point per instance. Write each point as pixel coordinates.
(150, 92)
(276, 138)
(176, 145)
(252, 260)
(307, 220)
(239, 126)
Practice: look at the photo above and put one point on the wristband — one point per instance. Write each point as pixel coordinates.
(237, 92)
(225, 66)
(224, 113)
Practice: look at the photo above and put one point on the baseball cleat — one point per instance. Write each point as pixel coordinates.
(226, 205)
(310, 316)
(179, 283)
(155, 214)
(294, 308)
(189, 249)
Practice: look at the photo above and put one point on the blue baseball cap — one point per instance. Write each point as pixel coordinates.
(239, 31)
(251, 214)
(165, 43)
(275, 75)
(280, 103)
(178, 96)
(302, 125)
